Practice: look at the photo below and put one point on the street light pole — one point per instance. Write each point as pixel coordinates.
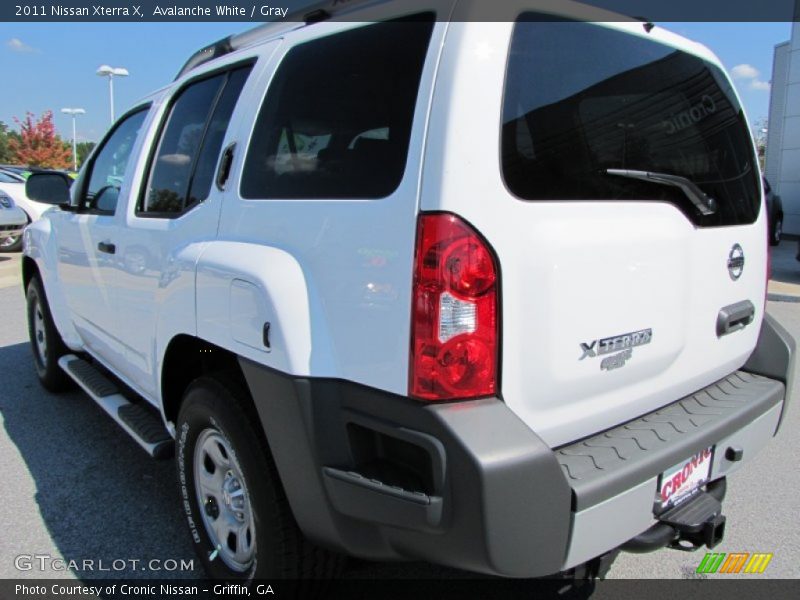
(110, 72)
(111, 94)
(74, 112)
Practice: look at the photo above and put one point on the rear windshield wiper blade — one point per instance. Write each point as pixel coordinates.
(703, 202)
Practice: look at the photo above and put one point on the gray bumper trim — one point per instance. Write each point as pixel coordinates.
(774, 357)
(611, 462)
(500, 504)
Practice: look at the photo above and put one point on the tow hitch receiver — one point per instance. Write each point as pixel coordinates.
(688, 526)
(699, 522)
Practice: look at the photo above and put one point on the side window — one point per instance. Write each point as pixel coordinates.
(215, 134)
(109, 164)
(183, 168)
(337, 118)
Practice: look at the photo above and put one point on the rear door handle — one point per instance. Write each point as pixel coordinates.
(107, 247)
(735, 317)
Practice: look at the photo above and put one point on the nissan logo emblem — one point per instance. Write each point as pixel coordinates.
(736, 262)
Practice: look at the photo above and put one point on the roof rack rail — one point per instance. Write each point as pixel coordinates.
(308, 15)
(218, 48)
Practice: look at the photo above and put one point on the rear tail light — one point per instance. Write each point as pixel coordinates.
(454, 321)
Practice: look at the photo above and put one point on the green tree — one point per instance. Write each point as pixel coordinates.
(5, 154)
(84, 148)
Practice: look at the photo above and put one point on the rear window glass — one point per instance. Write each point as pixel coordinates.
(581, 98)
(337, 118)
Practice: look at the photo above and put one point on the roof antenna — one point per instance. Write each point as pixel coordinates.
(648, 25)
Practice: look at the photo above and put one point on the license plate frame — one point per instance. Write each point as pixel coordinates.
(683, 480)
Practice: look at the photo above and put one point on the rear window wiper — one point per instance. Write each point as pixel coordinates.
(702, 201)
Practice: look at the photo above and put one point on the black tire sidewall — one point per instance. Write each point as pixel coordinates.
(50, 374)
(208, 404)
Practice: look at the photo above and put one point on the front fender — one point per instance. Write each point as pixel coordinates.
(39, 244)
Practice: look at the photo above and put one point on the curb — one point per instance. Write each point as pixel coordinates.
(783, 298)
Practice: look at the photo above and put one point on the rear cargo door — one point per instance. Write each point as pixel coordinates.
(632, 287)
(621, 291)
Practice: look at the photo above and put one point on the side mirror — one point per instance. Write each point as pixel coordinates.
(48, 188)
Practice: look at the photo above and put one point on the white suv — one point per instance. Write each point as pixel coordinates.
(406, 286)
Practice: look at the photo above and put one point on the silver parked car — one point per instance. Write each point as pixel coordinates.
(12, 218)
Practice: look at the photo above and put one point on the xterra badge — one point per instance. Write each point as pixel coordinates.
(623, 343)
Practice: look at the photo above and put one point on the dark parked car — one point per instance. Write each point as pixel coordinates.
(774, 213)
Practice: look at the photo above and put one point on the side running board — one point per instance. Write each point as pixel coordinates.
(138, 421)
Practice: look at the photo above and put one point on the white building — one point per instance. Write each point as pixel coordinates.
(783, 136)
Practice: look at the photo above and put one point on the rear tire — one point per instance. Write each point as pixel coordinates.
(239, 518)
(46, 342)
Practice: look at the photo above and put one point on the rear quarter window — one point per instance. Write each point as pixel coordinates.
(581, 98)
(336, 120)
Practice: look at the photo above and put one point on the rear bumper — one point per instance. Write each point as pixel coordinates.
(471, 486)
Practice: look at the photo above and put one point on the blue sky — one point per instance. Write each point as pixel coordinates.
(48, 66)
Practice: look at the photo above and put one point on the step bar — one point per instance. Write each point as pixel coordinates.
(138, 421)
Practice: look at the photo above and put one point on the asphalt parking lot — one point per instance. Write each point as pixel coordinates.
(76, 487)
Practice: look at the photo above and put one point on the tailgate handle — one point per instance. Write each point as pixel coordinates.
(735, 317)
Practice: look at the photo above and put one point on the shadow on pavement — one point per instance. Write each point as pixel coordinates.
(101, 497)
